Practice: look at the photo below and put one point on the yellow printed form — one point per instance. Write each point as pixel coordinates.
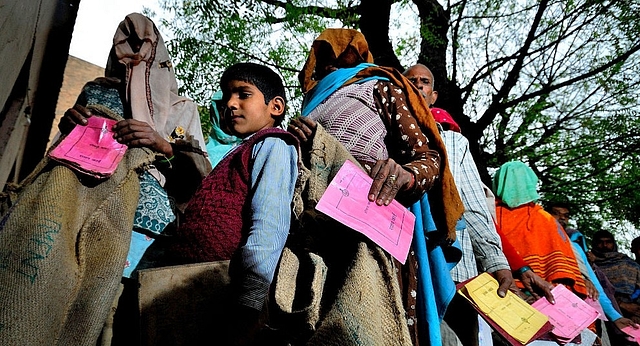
(518, 319)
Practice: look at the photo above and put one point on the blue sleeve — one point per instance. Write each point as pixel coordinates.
(273, 178)
(611, 313)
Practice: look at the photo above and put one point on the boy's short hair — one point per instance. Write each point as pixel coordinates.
(265, 79)
(549, 205)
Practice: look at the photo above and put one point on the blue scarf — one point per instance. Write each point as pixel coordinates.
(332, 82)
(218, 142)
(435, 285)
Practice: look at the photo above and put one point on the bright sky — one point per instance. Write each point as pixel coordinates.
(97, 22)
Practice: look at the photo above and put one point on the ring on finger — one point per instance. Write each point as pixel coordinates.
(392, 178)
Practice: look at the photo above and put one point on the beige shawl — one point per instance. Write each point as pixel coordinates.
(140, 59)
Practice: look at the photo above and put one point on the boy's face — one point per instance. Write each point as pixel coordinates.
(246, 111)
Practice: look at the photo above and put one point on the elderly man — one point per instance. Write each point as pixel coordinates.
(480, 242)
(476, 233)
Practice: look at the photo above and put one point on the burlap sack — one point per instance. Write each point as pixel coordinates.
(333, 286)
(63, 244)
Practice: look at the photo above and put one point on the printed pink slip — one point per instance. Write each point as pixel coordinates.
(346, 200)
(91, 149)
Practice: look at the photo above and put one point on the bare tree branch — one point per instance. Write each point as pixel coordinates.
(252, 56)
(574, 80)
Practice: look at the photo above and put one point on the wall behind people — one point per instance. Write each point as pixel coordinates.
(35, 37)
(76, 73)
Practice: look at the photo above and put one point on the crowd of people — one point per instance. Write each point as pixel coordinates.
(248, 193)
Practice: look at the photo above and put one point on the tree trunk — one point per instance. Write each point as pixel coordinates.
(374, 25)
(434, 26)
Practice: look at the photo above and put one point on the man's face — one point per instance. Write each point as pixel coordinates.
(604, 244)
(561, 214)
(422, 78)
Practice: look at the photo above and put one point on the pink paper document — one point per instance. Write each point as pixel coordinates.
(391, 227)
(91, 149)
(569, 315)
(632, 332)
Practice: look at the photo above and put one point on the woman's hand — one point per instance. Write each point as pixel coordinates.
(534, 284)
(135, 133)
(389, 178)
(303, 128)
(625, 322)
(592, 291)
(73, 116)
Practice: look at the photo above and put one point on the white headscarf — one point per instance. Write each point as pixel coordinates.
(151, 86)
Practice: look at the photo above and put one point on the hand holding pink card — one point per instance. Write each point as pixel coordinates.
(345, 200)
(632, 332)
(569, 315)
(91, 149)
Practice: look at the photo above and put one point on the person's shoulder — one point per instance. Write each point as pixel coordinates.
(282, 142)
(272, 132)
(385, 85)
(276, 141)
(457, 136)
(631, 262)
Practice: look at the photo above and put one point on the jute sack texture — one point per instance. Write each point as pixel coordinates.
(63, 244)
(333, 286)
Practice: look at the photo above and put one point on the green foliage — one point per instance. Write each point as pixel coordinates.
(581, 137)
(552, 83)
(205, 116)
(209, 36)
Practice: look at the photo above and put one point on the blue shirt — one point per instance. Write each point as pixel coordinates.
(273, 177)
(607, 307)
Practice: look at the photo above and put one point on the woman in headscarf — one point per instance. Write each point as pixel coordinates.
(156, 117)
(220, 142)
(382, 120)
(541, 241)
(72, 233)
(140, 71)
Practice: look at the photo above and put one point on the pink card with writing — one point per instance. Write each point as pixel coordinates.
(596, 305)
(569, 315)
(91, 149)
(345, 200)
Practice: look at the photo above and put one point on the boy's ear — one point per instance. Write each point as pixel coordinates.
(277, 106)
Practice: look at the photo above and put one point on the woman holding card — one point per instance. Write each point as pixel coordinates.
(384, 123)
(140, 81)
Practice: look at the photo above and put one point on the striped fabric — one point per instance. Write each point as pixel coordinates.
(479, 240)
(543, 244)
(358, 128)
